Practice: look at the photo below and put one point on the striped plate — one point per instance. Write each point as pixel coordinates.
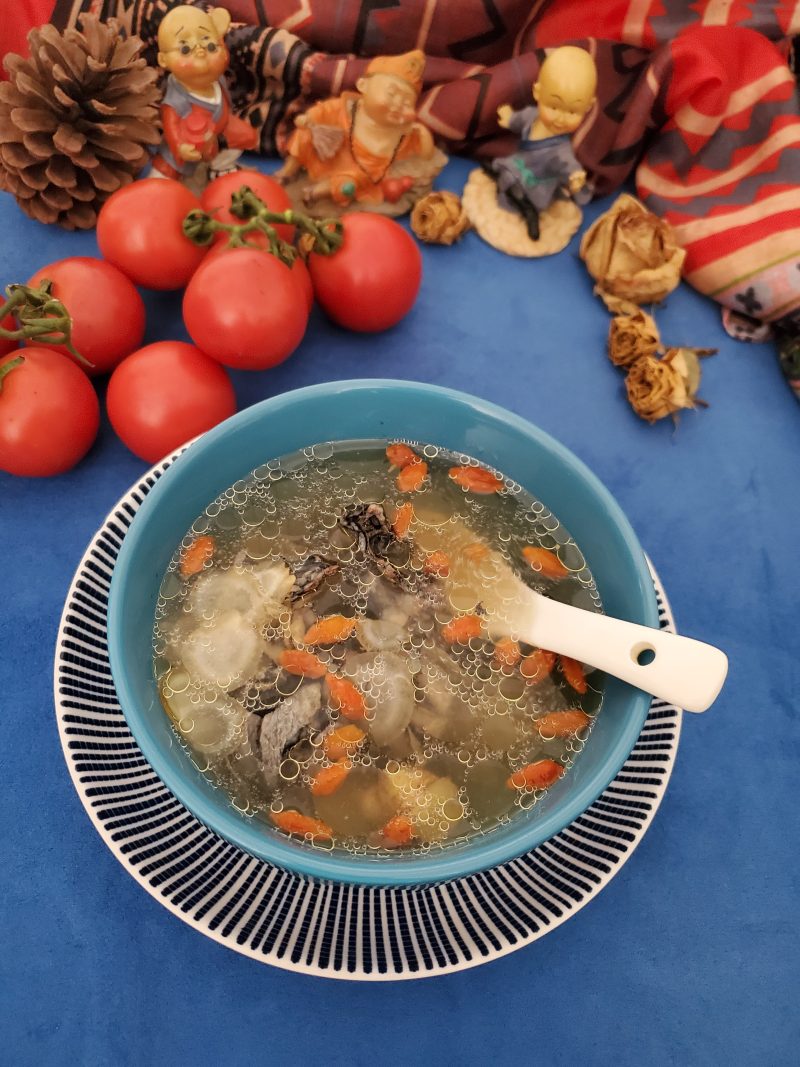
(361, 933)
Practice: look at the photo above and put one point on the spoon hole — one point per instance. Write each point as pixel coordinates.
(643, 655)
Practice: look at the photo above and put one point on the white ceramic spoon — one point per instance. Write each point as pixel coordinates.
(682, 671)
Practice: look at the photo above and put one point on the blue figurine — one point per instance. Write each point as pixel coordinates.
(544, 167)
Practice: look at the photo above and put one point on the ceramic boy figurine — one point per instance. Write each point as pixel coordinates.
(196, 109)
(544, 167)
(367, 147)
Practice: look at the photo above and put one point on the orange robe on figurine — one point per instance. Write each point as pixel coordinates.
(347, 145)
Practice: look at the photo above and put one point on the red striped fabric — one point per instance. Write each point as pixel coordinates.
(18, 18)
(725, 169)
(694, 99)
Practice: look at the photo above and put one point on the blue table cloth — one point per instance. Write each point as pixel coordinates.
(690, 954)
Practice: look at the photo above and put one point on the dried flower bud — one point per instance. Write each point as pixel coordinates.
(632, 254)
(660, 387)
(439, 218)
(655, 389)
(632, 336)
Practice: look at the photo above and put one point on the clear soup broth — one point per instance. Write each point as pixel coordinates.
(325, 647)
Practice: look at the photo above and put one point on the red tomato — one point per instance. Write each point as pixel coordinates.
(216, 199)
(49, 413)
(164, 395)
(139, 231)
(372, 280)
(244, 308)
(107, 312)
(299, 268)
(6, 344)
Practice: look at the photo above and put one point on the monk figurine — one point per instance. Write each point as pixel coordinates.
(544, 171)
(365, 149)
(196, 110)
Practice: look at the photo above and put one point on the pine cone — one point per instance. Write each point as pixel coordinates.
(75, 121)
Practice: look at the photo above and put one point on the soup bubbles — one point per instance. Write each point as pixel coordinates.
(323, 648)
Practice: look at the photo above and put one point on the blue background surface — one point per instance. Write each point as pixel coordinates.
(690, 956)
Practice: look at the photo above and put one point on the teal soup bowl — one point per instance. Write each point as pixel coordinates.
(370, 409)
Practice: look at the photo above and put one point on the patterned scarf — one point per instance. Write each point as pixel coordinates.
(697, 100)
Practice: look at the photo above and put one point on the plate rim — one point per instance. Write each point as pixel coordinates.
(657, 792)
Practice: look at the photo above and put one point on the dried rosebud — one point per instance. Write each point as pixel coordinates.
(632, 254)
(660, 387)
(632, 336)
(655, 389)
(439, 218)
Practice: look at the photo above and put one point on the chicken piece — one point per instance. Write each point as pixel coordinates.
(296, 717)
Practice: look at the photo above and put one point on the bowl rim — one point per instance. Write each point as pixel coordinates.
(344, 868)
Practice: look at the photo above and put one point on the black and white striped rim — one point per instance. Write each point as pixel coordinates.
(338, 931)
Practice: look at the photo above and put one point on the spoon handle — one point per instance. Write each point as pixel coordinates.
(682, 671)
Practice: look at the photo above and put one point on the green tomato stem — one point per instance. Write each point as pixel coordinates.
(6, 368)
(200, 227)
(42, 318)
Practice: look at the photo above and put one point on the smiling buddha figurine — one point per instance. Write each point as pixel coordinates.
(365, 149)
(196, 109)
(542, 181)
